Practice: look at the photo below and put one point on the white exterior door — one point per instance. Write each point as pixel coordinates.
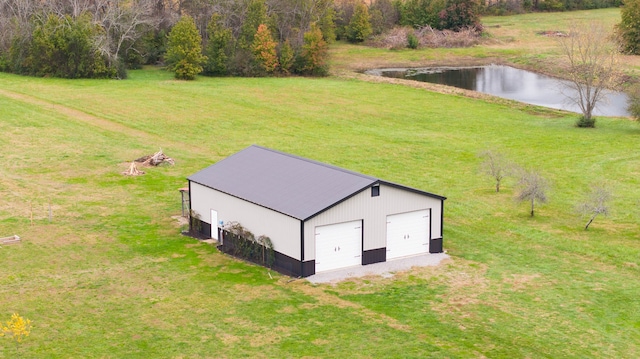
(214, 224)
(407, 234)
(338, 245)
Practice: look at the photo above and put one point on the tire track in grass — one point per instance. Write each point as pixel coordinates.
(329, 299)
(104, 124)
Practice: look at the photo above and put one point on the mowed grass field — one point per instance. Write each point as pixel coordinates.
(110, 276)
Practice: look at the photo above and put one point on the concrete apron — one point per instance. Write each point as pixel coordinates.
(384, 269)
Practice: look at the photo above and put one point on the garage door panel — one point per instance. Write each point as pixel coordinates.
(338, 245)
(408, 234)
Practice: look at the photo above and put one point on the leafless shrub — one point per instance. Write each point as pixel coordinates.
(464, 37)
(195, 225)
(533, 188)
(596, 202)
(395, 38)
(247, 246)
(237, 229)
(495, 165)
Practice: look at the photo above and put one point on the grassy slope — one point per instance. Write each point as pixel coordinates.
(111, 277)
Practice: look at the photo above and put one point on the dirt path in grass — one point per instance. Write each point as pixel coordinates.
(325, 298)
(101, 123)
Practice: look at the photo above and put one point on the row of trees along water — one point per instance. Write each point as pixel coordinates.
(103, 38)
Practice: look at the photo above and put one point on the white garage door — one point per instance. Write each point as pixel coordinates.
(407, 234)
(338, 245)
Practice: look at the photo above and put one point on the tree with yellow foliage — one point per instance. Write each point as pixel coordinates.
(17, 329)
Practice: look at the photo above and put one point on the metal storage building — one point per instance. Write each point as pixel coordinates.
(319, 217)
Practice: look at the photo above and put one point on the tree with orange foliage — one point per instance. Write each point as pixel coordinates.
(264, 50)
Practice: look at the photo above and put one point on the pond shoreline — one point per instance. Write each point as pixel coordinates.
(512, 83)
(449, 90)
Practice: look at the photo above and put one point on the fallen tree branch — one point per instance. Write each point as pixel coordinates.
(133, 170)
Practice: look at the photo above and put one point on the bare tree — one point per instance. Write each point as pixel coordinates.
(15, 25)
(19, 9)
(296, 16)
(495, 165)
(596, 202)
(533, 188)
(591, 66)
(123, 23)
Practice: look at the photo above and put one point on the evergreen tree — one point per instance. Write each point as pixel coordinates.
(419, 13)
(219, 47)
(256, 15)
(629, 27)
(313, 58)
(460, 14)
(286, 57)
(359, 27)
(327, 25)
(184, 50)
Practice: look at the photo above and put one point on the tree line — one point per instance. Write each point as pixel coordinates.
(103, 38)
(508, 7)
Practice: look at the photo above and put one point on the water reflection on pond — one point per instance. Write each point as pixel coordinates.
(511, 83)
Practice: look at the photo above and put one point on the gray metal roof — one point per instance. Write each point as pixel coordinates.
(292, 185)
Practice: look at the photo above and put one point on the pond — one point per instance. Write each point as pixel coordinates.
(511, 83)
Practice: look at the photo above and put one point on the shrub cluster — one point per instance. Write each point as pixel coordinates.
(59, 46)
(355, 21)
(241, 243)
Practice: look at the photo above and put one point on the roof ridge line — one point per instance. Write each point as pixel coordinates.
(327, 165)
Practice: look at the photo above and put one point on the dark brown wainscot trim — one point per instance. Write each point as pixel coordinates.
(374, 256)
(435, 245)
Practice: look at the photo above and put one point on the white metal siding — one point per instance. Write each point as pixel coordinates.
(283, 230)
(338, 245)
(374, 211)
(407, 234)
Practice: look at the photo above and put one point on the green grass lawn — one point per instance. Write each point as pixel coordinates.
(111, 277)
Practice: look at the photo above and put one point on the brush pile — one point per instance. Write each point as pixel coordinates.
(133, 170)
(397, 38)
(156, 159)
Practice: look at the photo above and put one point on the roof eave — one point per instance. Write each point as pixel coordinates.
(414, 190)
(341, 200)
